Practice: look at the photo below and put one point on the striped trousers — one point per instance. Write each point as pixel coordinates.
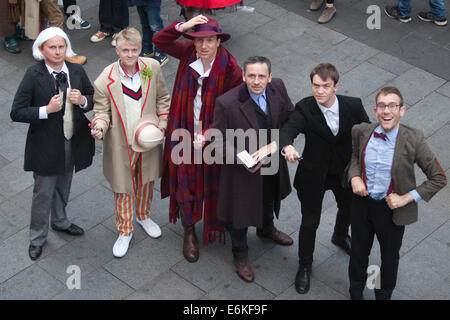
(125, 204)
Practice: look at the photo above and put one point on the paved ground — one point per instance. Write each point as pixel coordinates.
(156, 269)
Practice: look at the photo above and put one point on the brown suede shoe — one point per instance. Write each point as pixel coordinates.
(315, 5)
(244, 269)
(276, 236)
(76, 59)
(327, 14)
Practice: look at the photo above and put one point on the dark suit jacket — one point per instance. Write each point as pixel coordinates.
(410, 148)
(240, 195)
(44, 149)
(322, 150)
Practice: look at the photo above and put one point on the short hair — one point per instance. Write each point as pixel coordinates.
(47, 34)
(324, 71)
(389, 90)
(258, 59)
(131, 35)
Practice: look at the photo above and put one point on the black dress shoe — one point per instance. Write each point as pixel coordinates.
(302, 280)
(73, 230)
(343, 243)
(34, 252)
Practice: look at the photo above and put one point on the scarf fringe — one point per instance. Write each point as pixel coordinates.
(209, 237)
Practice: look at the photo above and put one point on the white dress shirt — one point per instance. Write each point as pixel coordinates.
(331, 115)
(197, 65)
(43, 109)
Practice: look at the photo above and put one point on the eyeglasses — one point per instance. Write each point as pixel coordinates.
(392, 106)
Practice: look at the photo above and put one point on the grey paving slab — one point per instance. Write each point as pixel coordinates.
(415, 84)
(238, 290)
(91, 208)
(318, 291)
(431, 216)
(88, 178)
(268, 9)
(89, 252)
(14, 179)
(445, 89)
(423, 269)
(98, 285)
(443, 233)
(167, 285)
(240, 23)
(364, 79)
(440, 145)
(32, 283)
(148, 259)
(207, 273)
(17, 209)
(12, 144)
(390, 63)
(348, 54)
(429, 114)
(14, 253)
(284, 28)
(441, 291)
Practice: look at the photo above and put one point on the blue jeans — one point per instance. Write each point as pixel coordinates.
(437, 8)
(151, 23)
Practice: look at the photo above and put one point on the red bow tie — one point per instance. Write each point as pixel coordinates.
(380, 135)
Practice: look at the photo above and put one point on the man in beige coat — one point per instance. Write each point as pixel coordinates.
(129, 92)
(382, 178)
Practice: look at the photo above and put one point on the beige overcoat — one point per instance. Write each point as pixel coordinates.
(110, 116)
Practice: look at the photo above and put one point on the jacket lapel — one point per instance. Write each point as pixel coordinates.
(364, 138)
(399, 145)
(273, 107)
(145, 84)
(344, 117)
(116, 93)
(46, 80)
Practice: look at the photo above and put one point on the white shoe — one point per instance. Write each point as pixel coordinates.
(121, 246)
(152, 229)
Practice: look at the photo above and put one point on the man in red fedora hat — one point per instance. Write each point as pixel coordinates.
(128, 92)
(206, 71)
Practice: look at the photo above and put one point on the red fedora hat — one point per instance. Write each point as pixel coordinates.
(211, 28)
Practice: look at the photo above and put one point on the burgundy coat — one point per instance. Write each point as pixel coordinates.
(240, 192)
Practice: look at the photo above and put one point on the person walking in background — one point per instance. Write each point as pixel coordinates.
(328, 12)
(402, 12)
(150, 17)
(113, 17)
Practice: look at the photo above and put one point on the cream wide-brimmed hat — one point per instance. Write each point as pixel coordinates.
(146, 135)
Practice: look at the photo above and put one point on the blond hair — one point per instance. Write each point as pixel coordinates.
(131, 35)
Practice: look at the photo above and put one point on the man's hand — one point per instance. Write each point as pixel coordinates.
(395, 201)
(256, 168)
(96, 133)
(359, 187)
(200, 19)
(199, 141)
(76, 97)
(290, 154)
(55, 104)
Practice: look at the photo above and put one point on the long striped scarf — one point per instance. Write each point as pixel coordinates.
(196, 184)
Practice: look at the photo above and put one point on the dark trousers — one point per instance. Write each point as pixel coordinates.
(311, 210)
(113, 15)
(67, 4)
(330, 1)
(239, 236)
(50, 198)
(373, 217)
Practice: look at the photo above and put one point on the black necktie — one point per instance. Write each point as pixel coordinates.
(61, 83)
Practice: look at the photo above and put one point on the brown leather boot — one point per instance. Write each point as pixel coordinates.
(190, 242)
